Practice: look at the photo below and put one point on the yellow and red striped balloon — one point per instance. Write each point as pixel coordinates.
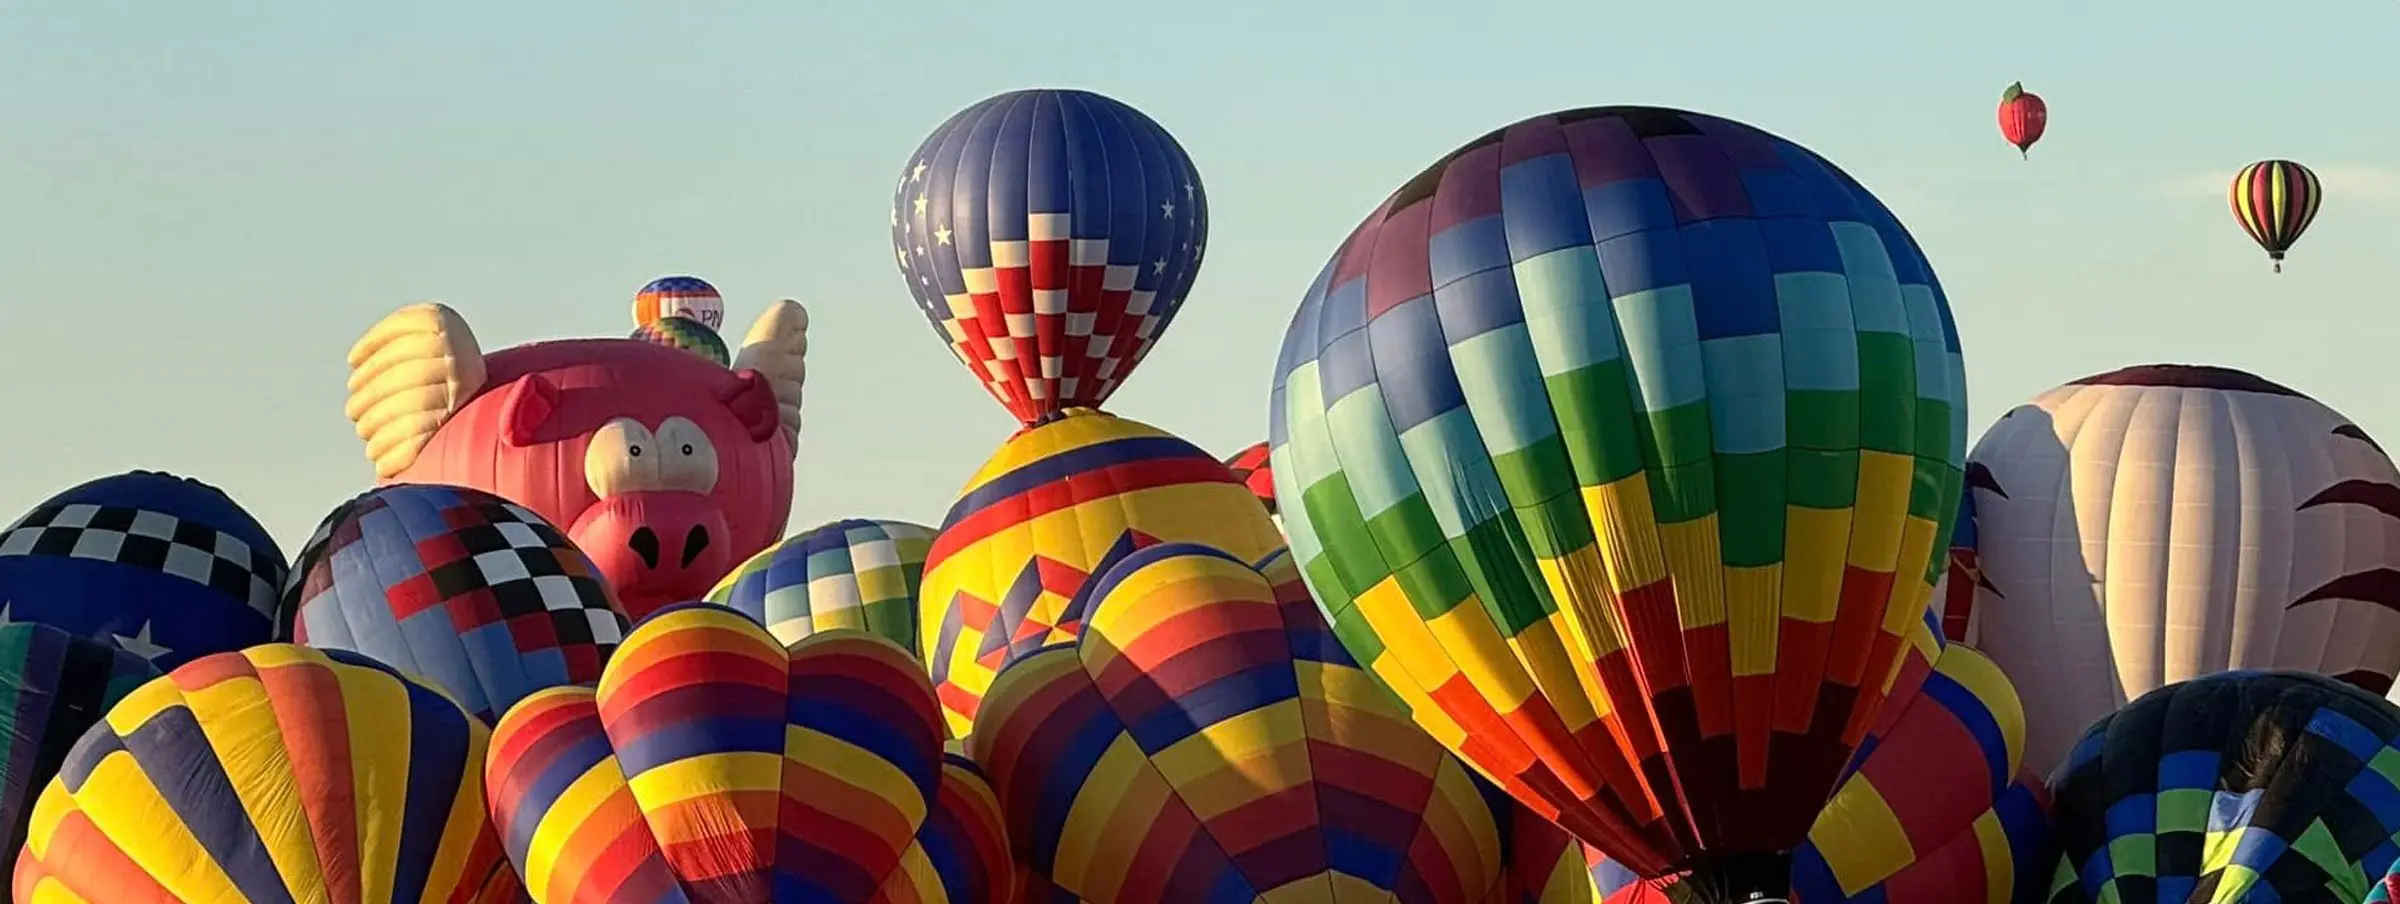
(1203, 741)
(275, 774)
(715, 765)
(1052, 506)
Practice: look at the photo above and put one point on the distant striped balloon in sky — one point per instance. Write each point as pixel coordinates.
(1057, 503)
(715, 764)
(857, 573)
(679, 296)
(2275, 200)
(53, 686)
(1204, 742)
(1049, 236)
(272, 775)
(1633, 434)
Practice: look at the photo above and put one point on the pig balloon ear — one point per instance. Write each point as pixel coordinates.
(408, 375)
(529, 405)
(777, 351)
(752, 400)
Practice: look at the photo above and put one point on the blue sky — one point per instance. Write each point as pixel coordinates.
(202, 206)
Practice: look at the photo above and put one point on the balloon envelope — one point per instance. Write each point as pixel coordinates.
(2237, 786)
(53, 686)
(1056, 504)
(165, 566)
(275, 774)
(2159, 523)
(474, 594)
(713, 764)
(679, 331)
(1202, 741)
(1632, 435)
(858, 574)
(679, 296)
(1049, 236)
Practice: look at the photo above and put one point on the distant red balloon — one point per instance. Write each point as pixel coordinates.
(2023, 116)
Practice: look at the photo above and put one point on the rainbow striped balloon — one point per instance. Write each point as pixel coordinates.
(273, 775)
(1059, 501)
(1203, 741)
(713, 764)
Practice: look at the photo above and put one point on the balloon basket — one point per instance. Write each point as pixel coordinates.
(1735, 879)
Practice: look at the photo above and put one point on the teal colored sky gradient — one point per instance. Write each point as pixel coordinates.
(203, 205)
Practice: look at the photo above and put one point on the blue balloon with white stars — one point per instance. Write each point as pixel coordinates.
(166, 567)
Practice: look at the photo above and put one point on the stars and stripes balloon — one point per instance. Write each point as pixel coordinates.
(164, 566)
(474, 594)
(2275, 200)
(272, 775)
(1059, 501)
(679, 296)
(53, 686)
(1204, 741)
(713, 764)
(2162, 522)
(1642, 475)
(1049, 236)
(857, 573)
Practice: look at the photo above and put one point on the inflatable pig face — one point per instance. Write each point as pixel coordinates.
(666, 468)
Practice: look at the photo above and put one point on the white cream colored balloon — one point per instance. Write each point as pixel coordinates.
(2159, 523)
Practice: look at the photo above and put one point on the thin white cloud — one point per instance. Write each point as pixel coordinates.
(2349, 182)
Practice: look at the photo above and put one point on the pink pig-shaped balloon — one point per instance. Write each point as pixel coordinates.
(666, 468)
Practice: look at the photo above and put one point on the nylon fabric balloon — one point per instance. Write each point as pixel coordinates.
(1250, 467)
(679, 296)
(1202, 741)
(476, 595)
(1006, 574)
(2159, 523)
(2385, 891)
(2238, 786)
(53, 686)
(678, 331)
(858, 574)
(164, 566)
(714, 766)
(2023, 118)
(1049, 236)
(2275, 201)
(1962, 579)
(1631, 434)
(275, 774)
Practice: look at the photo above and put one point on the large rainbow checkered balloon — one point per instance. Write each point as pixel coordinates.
(1631, 434)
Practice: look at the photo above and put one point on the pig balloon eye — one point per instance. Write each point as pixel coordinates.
(618, 461)
(690, 460)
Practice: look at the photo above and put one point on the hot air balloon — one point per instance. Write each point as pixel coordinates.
(856, 573)
(1052, 507)
(679, 296)
(1049, 236)
(713, 764)
(1251, 468)
(2275, 200)
(678, 331)
(2023, 116)
(1933, 808)
(164, 566)
(1203, 742)
(2238, 786)
(2159, 523)
(275, 774)
(53, 686)
(1642, 476)
(2387, 890)
(1954, 595)
(474, 594)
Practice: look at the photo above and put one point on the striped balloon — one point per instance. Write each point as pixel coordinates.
(860, 574)
(477, 595)
(53, 686)
(273, 775)
(1049, 237)
(679, 296)
(715, 765)
(1633, 434)
(2275, 200)
(1051, 507)
(679, 331)
(1203, 741)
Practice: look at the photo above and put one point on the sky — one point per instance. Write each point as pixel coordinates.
(203, 205)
